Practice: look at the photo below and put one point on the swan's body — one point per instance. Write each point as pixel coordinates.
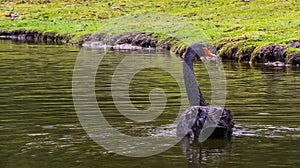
(193, 119)
(199, 117)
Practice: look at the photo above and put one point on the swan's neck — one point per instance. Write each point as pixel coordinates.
(189, 60)
(193, 90)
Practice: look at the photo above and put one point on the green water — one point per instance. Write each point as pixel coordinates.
(39, 126)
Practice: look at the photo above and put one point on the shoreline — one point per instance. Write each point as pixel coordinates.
(264, 32)
(228, 49)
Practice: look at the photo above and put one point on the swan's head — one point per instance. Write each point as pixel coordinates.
(200, 51)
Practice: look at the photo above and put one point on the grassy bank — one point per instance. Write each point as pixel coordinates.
(229, 23)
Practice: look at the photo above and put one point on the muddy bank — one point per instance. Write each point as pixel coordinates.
(236, 49)
(233, 49)
(33, 36)
(136, 41)
(128, 41)
(270, 54)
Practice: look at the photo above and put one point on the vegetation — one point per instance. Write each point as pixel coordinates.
(243, 23)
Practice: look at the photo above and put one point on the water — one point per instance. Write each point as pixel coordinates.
(39, 126)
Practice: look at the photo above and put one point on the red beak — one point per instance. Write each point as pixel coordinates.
(208, 53)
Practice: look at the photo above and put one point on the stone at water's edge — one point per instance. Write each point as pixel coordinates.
(123, 41)
(296, 59)
(34, 36)
(276, 55)
(271, 55)
(137, 39)
(101, 45)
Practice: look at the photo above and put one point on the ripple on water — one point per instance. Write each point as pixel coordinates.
(269, 131)
(48, 127)
(168, 130)
(38, 134)
(266, 131)
(66, 138)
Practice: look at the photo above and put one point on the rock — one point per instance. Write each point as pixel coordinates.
(49, 37)
(112, 39)
(125, 39)
(33, 36)
(126, 47)
(141, 40)
(246, 54)
(271, 53)
(153, 42)
(96, 37)
(276, 63)
(295, 44)
(4, 33)
(12, 15)
(84, 38)
(295, 60)
(230, 53)
(119, 42)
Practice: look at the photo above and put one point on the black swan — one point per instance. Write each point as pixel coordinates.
(192, 121)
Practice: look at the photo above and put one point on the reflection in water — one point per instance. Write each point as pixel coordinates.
(272, 77)
(213, 150)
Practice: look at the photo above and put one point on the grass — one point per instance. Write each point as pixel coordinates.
(263, 22)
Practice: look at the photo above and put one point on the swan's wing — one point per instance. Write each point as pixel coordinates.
(186, 121)
(214, 116)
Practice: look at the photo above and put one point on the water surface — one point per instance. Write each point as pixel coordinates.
(39, 126)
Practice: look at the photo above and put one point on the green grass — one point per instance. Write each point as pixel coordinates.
(263, 21)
